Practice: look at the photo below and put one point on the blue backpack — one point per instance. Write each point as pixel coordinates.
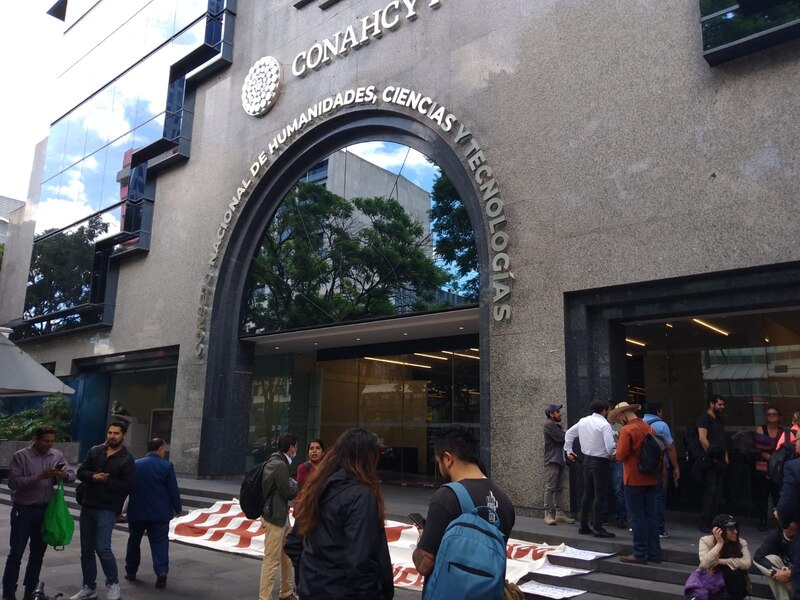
(471, 561)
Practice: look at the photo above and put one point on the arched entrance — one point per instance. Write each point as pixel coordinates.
(228, 385)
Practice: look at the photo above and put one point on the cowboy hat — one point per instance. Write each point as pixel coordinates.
(620, 408)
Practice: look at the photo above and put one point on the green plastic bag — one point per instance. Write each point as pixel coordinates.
(58, 526)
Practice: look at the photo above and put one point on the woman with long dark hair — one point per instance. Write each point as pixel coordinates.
(340, 519)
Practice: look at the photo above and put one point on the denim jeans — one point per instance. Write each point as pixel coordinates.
(158, 536)
(96, 525)
(619, 490)
(661, 501)
(26, 524)
(642, 517)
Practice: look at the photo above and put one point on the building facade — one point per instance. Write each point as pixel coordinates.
(629, 171)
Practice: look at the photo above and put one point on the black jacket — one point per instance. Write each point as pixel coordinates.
(775, 543)
(109, 494)
(346, 557)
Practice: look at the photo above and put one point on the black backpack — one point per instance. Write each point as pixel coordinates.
(251, 495)
(691, 441)
(651, 458)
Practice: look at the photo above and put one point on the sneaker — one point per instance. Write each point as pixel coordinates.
(85, 594)
(663, 535)
(113, 591)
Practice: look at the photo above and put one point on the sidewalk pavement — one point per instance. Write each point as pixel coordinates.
(195, 573)
(201, 573)
(400, 500)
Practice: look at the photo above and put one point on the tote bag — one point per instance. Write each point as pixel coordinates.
(58, 526)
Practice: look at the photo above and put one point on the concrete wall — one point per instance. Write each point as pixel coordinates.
(621, 156)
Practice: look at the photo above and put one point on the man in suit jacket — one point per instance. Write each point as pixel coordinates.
(789, 512)
(154, 501)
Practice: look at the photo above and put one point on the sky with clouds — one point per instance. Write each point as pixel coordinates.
(27, 69)
(44, 89)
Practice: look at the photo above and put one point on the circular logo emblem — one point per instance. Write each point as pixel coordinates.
(261, 86)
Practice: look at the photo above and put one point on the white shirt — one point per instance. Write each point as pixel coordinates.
(595, 434)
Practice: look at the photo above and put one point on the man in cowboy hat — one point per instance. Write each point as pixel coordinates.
(597, 446)
(640, 488)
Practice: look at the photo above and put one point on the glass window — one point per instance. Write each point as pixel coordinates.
(117, 158)
(367, 241)
(56, 142)
(404, 398)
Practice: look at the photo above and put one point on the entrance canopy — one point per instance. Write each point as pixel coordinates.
(449, 323)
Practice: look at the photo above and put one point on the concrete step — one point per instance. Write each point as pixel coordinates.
(630, 587)
(667, 572)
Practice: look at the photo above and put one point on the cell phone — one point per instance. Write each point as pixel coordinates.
(417, 519)
(59, 466)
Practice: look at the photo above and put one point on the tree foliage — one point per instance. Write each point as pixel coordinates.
(54, 412)
(326, 259)
(61, 269)
(455, 238)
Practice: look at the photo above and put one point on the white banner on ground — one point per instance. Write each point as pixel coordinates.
(224, 526)
(549, 591)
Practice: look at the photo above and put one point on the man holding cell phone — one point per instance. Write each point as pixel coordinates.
(31, 476)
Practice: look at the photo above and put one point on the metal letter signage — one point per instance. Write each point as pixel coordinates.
(263, 83)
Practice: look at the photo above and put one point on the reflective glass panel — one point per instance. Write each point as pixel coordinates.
(61, 268)
(406, 399)
(380, 232)
(747, 359)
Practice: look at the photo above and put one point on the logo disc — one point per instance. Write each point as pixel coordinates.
(261, 86)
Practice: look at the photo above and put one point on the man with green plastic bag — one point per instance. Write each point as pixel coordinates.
(32, 473)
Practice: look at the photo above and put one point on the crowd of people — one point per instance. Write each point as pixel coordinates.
(108, 475)
(337, 547)
(642, 448)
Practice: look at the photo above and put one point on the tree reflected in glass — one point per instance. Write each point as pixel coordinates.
(61, 269)
(326, 259)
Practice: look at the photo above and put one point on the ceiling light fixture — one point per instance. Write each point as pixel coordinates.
(670, 325)
(398, 362)
(711, 327)
(635, 342)
(430, 356)
(475, 349)
(629, 354)
(459, 354)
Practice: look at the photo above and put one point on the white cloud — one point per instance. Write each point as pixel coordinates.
(57, 212)
(25, 109)
(397, 158)
(389, 156)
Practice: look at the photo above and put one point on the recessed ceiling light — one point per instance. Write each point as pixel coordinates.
(461, 328)
(358, 339)
(405, 333)
(316, 344)
(277, 347)
(711, 327)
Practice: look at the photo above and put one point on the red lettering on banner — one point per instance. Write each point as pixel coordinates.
(407, 576)
(530, 551)
(393, 533)
(191, 529)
